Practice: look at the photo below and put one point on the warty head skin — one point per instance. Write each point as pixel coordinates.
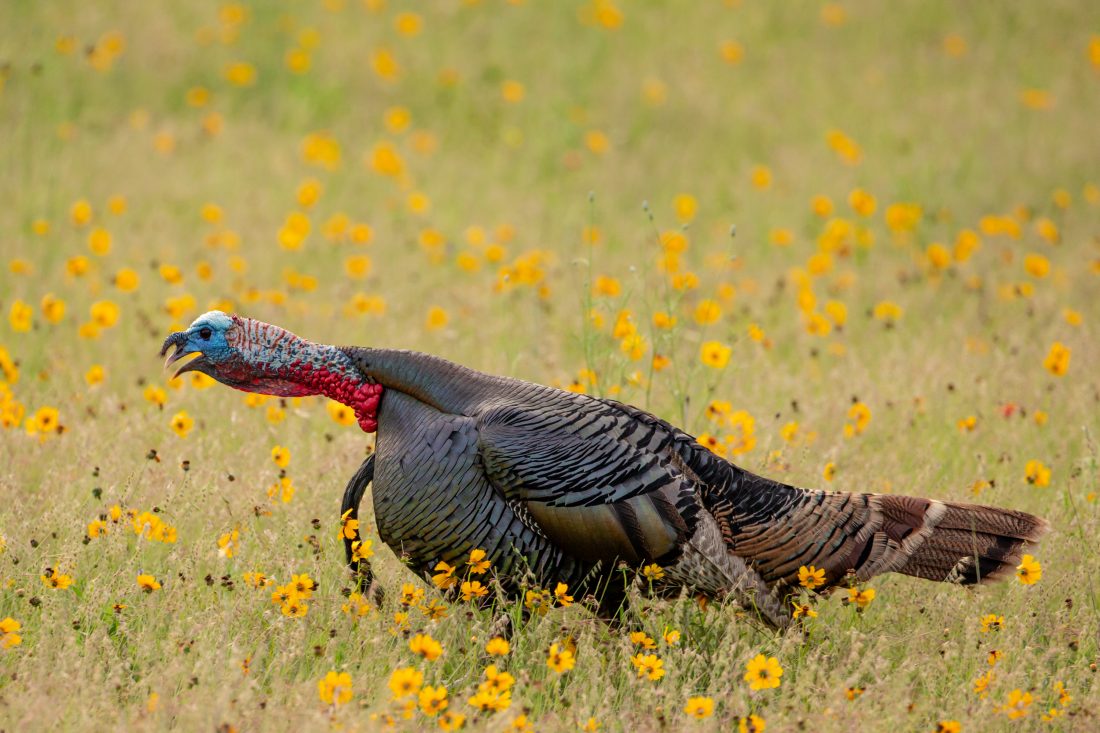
(254, 356)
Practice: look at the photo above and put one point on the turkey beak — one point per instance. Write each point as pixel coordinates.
(178, 342)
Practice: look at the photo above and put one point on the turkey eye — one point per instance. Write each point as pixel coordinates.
(205, 334)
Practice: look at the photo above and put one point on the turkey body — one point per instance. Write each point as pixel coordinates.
(562, 487)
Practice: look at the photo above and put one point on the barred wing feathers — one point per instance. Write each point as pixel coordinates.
(597, 481)
(605, 479)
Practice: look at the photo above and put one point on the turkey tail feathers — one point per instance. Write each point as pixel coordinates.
(961, 543)
(852, 536)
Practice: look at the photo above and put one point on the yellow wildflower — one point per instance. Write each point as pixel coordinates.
(44, 422)
(811, 577)
(512, 91)
(607, 286)
(861, 599)
(335, 689)
(55, 579)
(433, 700)
(715, 354)
(478, 563)
(451, 721)
(95, 375)
(96, 527)
(699, 707)
(859, 416)
(53, 308)
(648, 665)
(1017, 706)
(349, 526)
(105, 313)
(425, 646)
(229, 543)
(684, 205)
(81, 212)
(707, 312)
(362, 550)
(147, 583)
(801, 609)
(751, 724)
(281, 456)
(887, 311)
(182, 423)
(981, 684)
(436, 319)
(283, 489)
(862, 202)
(992, 622)
(8, 636)
(821, 206)
(653, 571)
(256, 579)
(560, 659)
(444, 576)
(471, 589)
(342, 414)
(303, 585)
(241, 74)
(1057, 360)
(763, 673)
(1029, 571)
(1036, 473)
(21, 316)
(761, 177)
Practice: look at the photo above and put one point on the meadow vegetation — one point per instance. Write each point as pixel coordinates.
(849, 245)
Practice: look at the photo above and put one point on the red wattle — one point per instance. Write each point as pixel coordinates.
(361, 396)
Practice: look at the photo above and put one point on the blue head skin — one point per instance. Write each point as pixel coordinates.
(207, 336)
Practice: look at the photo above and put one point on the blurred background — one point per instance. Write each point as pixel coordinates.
(847, 242)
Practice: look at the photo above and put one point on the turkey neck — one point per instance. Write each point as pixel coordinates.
(357, 376)
(283, 364)
(444, 385)
(328, 371)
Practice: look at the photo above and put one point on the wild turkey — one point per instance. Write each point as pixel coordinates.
(563, 487)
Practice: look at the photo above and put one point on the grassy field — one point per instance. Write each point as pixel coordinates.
(872, 228)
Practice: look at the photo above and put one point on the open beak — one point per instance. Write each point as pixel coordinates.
(177, 343)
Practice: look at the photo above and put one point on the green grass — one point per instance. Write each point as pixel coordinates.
(951, 134)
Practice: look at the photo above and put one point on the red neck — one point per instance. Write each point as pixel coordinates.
(271, 360)
(356, 393)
